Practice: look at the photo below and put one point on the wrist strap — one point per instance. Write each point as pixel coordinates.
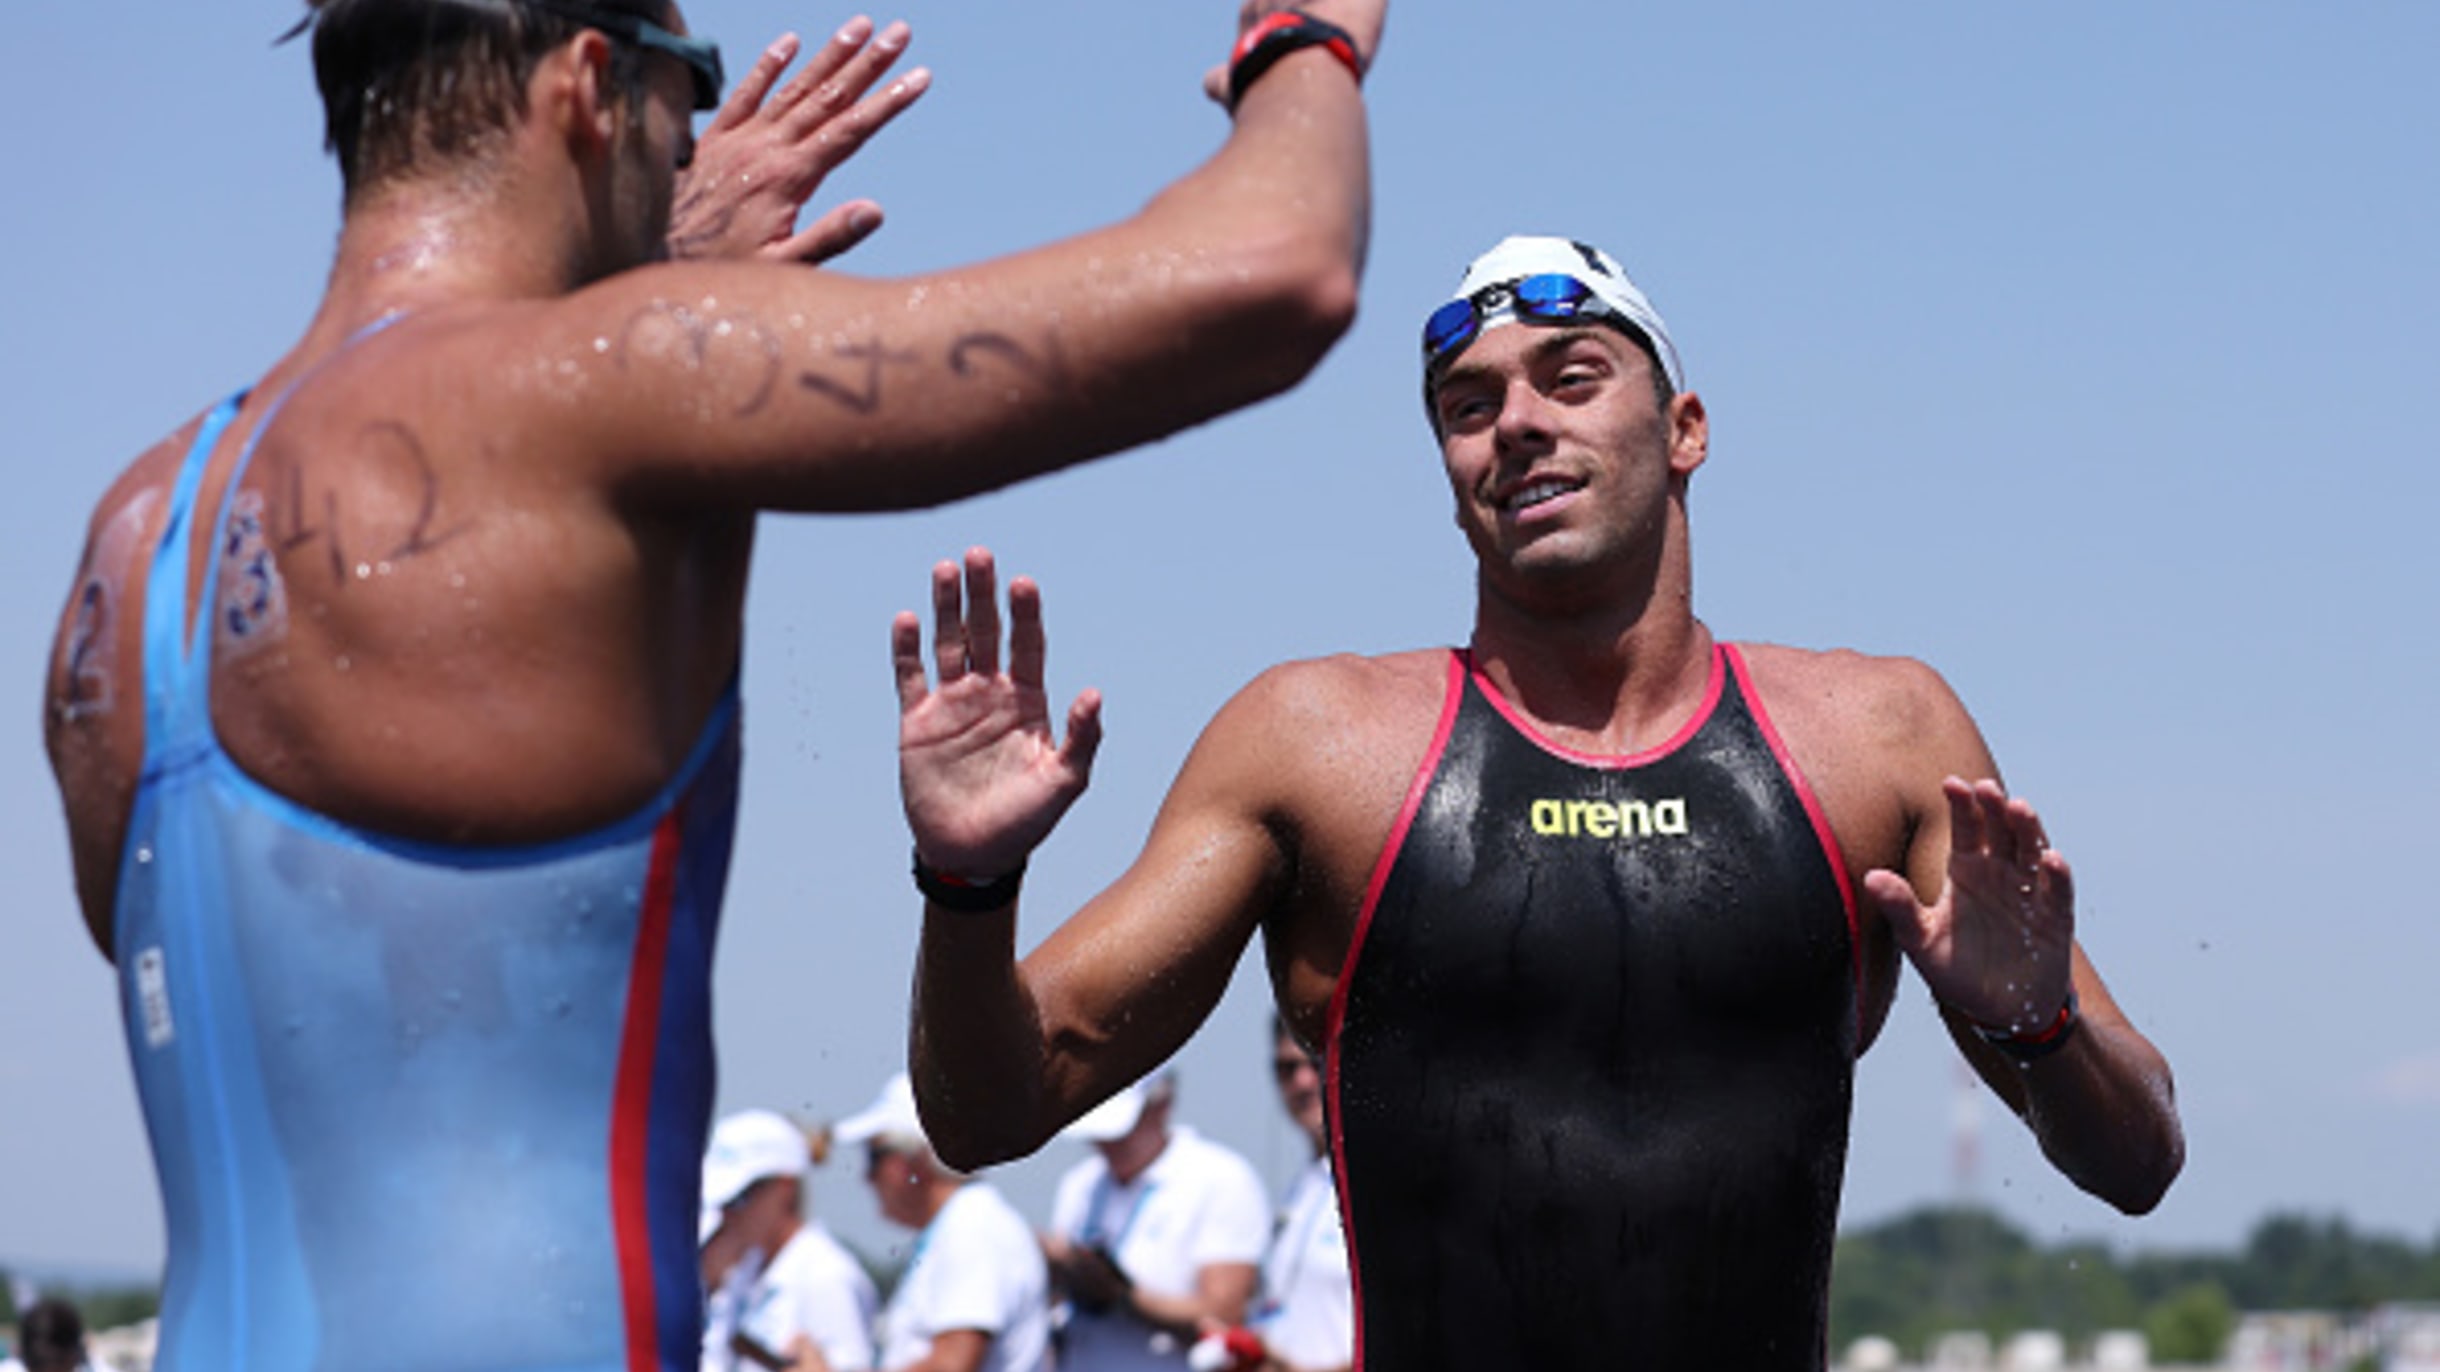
(966, 897)
(1277, 35)
(2042, 1042)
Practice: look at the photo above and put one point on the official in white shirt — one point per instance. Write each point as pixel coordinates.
(782, 1293)
(975, 1296)
(1154, 1238)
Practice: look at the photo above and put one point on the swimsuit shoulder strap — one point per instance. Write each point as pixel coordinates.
(166, 662)
(177, 655)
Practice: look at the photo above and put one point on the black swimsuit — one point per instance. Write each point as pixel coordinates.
(1592, 1053)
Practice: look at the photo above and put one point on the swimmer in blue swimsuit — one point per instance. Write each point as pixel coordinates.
(1589, 921)
(395, 705)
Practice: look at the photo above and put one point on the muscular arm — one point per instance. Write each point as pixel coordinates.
(1003, 1053)
(93, 696)
(767, 386)
(1996, 945)
(2104, 1106)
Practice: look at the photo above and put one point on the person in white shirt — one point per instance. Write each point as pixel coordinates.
(1306, 1317)
(975, 1296)
(782, 1293)
(1154, 1238)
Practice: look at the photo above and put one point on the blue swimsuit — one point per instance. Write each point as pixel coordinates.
(413, 1106)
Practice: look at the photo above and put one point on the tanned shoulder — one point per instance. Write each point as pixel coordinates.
(1856, 704)
(1338, 740)
(1873, 736)
(1348, 689)
(1322, 722)
(93, 696)
(95, 627)
(1329, 748)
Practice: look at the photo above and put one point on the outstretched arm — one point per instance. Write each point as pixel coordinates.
(1997, 949)
(1003, 1053)
(768, 150)
(711, 387)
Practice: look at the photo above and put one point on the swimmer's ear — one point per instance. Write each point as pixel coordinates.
(572, 86)
(1689, 433)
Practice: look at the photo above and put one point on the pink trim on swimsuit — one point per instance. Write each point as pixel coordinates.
(1821, 825)
(1390, 848)
(1607, 761)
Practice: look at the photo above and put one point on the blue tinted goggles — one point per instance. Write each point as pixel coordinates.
(1550, 298)
(701, 55)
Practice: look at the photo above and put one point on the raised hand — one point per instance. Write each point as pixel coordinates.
(1996, 947)
(982, 776)
(761, 159)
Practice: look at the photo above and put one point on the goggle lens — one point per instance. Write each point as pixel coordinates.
(1550, 298)
(1451, 327)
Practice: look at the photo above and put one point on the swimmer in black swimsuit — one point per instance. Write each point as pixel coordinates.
(1590, 920)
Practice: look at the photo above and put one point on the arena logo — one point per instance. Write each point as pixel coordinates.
(1607, 819)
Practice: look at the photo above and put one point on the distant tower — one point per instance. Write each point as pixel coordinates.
(1965, 1132)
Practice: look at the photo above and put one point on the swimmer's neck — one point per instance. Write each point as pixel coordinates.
(428, 242)
(1607, 689)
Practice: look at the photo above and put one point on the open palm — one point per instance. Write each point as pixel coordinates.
(983, 776)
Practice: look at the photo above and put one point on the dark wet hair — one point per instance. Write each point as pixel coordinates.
(409, 85)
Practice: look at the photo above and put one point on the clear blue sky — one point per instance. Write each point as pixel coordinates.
(2084, 351)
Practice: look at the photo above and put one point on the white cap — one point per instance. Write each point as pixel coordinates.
(1113, 1119)
(747, 1147)
(892, 1115)
(1116, 1118)
(1524, 255)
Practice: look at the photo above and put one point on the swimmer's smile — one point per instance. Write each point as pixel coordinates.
(1537, 492)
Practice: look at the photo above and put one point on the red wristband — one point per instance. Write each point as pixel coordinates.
(2042, 1042)
(1275, 36)
(967, 897)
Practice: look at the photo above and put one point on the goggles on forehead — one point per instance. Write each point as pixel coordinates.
(701, 55)
(1546, 298)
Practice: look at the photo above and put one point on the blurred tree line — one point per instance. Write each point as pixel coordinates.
(1954, 1268)
(1965, 1268)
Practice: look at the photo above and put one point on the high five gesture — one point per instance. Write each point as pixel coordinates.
(983, 778)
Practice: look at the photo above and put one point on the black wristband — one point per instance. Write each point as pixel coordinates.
(2042, 1042)
(967, 897)
(1277, 36)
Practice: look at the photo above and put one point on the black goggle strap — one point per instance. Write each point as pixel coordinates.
(701, 55)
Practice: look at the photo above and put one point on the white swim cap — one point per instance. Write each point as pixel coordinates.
(1486, 298)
